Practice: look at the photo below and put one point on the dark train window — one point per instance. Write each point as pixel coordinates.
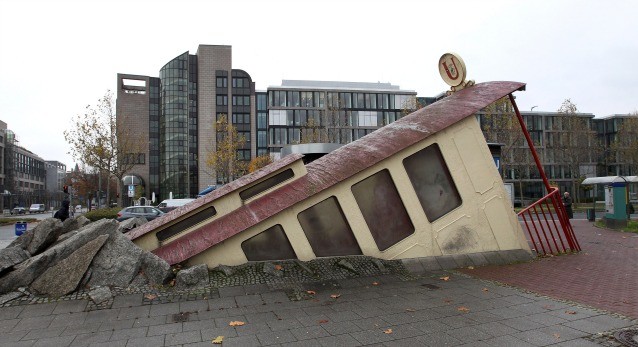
(270, 244)
(266, 184)
(185, 224)
(383, 210)
(432, 182)
(327, 230)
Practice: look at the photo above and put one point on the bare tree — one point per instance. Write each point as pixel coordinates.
(224, 161)
(577, 144)
(97, 142)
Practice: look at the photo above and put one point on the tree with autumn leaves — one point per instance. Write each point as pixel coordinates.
(624, 146)
(223, 161)
(98, 143)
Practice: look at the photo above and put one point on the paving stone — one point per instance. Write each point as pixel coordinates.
(125, 334)
(311, 332)
(71, 306)
(241, 341)
(598, 324)
(164, 329)
(134, 312)
(37, 322)
(447, 262)
(248, 300)
(338, 328)
(91, 338)
(146, 341)
(31, 311)
(339, 340)
(183, 338)
(54, 341)
(276, 337)
(127, 300)
(193, 306)
(478, 259)
(42, 333)
(63, 320)
(462, 260)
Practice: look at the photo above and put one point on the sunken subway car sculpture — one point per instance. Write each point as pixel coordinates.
(425, 185)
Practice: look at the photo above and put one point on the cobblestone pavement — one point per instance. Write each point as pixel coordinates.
(604, 275)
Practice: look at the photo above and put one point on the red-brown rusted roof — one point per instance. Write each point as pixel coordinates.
(338, 166)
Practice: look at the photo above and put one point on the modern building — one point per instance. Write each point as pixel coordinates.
(176, 115)
(330, 112)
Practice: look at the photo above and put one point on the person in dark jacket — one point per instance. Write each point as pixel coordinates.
(567, 202)
(63, 213)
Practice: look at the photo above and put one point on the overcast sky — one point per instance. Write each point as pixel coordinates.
(57, 57)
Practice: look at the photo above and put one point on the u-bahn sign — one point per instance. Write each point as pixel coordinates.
(452, 70)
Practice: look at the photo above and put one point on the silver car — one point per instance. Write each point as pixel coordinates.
(148, 212)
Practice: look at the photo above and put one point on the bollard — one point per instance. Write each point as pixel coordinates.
(21, 228)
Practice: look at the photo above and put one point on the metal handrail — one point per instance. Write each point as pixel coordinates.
(542, 227)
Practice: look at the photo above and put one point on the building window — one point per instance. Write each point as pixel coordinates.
(222, 82)
(327, 230)
(270, 244)
(277, 117)
(432, 182)
(222, 100)
(383, 210)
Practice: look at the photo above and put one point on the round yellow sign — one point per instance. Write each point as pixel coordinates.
(452, 69)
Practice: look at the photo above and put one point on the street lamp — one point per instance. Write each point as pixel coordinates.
(532, 109)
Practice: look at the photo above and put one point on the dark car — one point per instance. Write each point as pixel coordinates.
(207, 190)
(148, 212)
(19, 210)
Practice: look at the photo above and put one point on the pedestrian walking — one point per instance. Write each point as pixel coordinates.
(567, 202)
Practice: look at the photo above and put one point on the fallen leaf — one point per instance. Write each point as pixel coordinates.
(557, 336)
(471, 267)
(150, 296)
(218, 340)
(375, 283)
(463, 309)
(172, 283)
(570, 312)
(278, 267)
(236, 323)
(335, 296)
(410, 310)
(311, 292)
(446, 278)
(323, 321)
(387, 331)
(486, 290)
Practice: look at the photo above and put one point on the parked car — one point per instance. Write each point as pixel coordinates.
(148, 212)
(171, 204)
(36, 208)
(19, 210)
(206, 191)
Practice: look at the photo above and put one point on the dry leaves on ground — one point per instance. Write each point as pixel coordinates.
(278, 267)
(323, 321)
(387, 331)
(375, 283)
(218, 340)
(311, 292)
(236, 323)
(335, 296)
(570, 312)
(463, 309)
(486, 290)
(446, 278)
(150, 296)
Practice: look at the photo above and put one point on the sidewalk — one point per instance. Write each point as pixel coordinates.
(604, 275)
(439, 308)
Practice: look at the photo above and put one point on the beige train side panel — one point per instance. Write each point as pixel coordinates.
(484, 221)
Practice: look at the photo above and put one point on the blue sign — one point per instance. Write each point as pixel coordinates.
(21, 228)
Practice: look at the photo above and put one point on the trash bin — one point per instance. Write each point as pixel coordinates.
(21, 228)
(591, 215)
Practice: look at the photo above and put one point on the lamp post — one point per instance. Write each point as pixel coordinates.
(532, 109)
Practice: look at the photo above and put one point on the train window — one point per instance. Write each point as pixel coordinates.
(327, 230)
(266, 184)
(270, 244)
(383, 210)
(432, 182)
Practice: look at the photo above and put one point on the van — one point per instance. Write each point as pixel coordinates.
(36, 208)
(171, 204)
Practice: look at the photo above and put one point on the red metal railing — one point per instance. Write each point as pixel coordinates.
(546, 233)
(548, 226)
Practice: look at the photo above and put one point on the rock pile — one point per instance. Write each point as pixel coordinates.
(55, 259)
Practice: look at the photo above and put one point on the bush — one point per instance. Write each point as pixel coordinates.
(102, 213)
